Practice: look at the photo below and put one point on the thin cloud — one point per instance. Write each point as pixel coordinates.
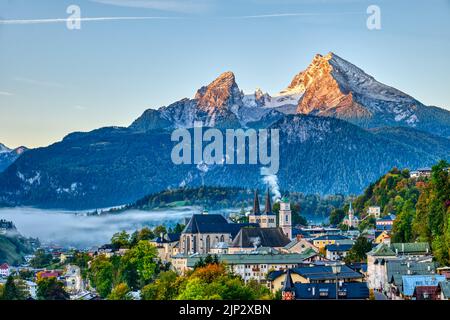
(298, 14)
(39, 83)
(161, 5)
(80, 108)
(64, 20)
(5, 93)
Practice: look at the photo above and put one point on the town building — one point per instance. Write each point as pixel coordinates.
(265, 219)
(336, 252)
(204, 231)
(5, 270)
(299, 245)
(444, 289)
(313, 274)
(249, 239)
(323, 241)
(382, 237)
(385, 223)
(420, 173)
(285, 217)
(166, 245)
(374, 211)
(250, 266)
(351, 220)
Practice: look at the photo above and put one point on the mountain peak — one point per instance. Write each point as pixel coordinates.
(4, 148)
(221, 93)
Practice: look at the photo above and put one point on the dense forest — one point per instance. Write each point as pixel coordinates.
(422, 207)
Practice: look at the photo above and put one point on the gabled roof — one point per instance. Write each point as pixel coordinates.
(266, 237)
(411, 248)
(411, 282)
(389, 217)
(319, 273)
(4, 266)
(206, 223)
(407, 267)
(330, 237)
(381, 250)
(338, 247)
(348, 290)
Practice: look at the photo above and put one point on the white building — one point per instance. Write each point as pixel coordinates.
(5, 270)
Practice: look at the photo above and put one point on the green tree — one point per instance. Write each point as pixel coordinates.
(51, 289)
(159, 230)
(336, 216)
(165, 287)
(120, 240)
(14, 289)
(101, 275)
(41, 259)
(358, 251)
(120, 292)
(139, 264)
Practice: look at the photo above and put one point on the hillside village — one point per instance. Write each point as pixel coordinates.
(262, 253)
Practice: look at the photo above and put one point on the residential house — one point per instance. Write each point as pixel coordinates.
(5, 270)
(299, 245)
(335, 252)
(374, 211)
(313, 274)
(323, 241)
(385, 223)
(423, 283)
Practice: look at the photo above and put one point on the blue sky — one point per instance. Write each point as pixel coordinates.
(54, 80)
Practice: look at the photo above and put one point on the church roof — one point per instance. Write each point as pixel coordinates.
(266, 237)
(268, 204)
(256, 208)
(288, 283)
(213, 223)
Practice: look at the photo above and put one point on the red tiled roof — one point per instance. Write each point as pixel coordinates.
(4, 266)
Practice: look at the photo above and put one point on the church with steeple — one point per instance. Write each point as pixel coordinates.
(265, 219)
(268, 219)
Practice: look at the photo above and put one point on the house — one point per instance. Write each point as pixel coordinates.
(382, 237)
(299, 245)
(248, 239)
(251, 265)
(313, 274)
(385, 223)
(5, 270)
(427, 293)
(337, 251)
(411, 282)
(326, 291)
(397, 269)
(165, 245)
(376, 266)
(422, 172)
(374, 211)
(204, 231)
(444, 288)
(73, 279)
(323, 241)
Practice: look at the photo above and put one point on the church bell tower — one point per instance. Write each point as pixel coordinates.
(285, 217)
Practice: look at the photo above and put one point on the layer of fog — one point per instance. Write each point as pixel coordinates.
(70, 229)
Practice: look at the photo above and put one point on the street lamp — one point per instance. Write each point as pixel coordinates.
(336, 268)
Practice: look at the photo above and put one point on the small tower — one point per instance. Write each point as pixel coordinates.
(285, 217)
(268, 205)
(255, 216)
(288, 290)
